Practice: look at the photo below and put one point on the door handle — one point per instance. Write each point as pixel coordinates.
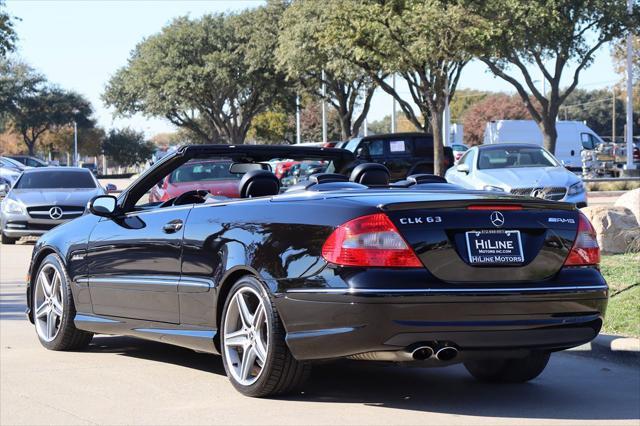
(173, 226)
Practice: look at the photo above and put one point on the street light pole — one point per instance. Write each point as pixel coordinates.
(393, 109)
(75, 143)
(298, 134)
(324, 109)
(629, 135)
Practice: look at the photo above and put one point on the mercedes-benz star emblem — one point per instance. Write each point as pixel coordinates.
(55, 213)
(538, 193)
(497, 219)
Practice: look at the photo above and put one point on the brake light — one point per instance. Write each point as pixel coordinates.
(585, 250)
(371, 240)
(494, 207)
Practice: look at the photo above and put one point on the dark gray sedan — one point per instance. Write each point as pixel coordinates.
(43, 198)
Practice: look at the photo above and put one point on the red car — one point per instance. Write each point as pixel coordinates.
(283, 167)
(213, 176)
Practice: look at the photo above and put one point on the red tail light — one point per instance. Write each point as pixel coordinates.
(585, 250)
(494, 207)
(370, 240)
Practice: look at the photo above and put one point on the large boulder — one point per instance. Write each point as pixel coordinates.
(630, 200)
(616, 227)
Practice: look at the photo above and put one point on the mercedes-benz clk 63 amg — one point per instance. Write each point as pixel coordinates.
(338, 266)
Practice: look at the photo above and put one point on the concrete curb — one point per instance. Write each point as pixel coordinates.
(621, 349)
(597, 194)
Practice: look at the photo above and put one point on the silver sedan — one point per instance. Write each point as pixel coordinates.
(518, 169)
(43, 198)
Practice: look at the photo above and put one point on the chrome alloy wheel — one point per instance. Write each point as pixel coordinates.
(48, 303)
(246, 336)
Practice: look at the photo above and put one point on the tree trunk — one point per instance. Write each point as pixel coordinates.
(31, 146)
(438, 149)
(345, 126)
(549, 134)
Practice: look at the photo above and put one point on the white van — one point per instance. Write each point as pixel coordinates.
(573, 137)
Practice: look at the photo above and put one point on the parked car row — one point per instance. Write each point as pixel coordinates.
(41, 198)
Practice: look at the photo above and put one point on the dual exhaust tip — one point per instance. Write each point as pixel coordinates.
(443, 353)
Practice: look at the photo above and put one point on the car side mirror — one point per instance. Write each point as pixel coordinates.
(110, 187)
(103, 205)
(4, 189)
(462, 168)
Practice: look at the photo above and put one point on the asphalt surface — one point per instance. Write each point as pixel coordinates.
(121, 380)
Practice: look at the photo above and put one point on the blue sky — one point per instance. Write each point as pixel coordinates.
(80, 44)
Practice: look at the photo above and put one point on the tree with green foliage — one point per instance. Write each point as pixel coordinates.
(463, 100)
(426, 42)
(211, 75)
(127, 147)
(8, 36)
(530, 38)
(271, 127)
(90, 140)
(619, 54)
(17, 81)
(595, 107)
(309, 63)
(32, 106)
(311, 123)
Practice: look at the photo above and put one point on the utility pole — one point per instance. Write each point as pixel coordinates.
(297, 119)
(446, 127)
(75, 143)
(629, 165)
(324, 110)
(613, 115)
(393, 109)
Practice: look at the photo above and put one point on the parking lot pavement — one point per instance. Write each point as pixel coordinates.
(122, 380)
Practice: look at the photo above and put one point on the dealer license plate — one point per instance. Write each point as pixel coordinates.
(494, 247)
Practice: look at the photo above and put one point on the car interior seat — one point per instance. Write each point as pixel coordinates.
(370, 174)
(258, 183)
(325, 182)
(484, 162)
(418, 179)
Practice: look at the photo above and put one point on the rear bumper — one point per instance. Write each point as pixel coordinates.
(328, 324)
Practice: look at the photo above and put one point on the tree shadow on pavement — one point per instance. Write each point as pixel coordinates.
(572, 387)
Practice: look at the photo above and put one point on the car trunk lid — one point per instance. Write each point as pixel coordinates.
(507, 240)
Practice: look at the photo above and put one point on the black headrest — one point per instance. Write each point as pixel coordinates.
(370, 174)
(258, 183)
(426, 178)
(327, 177)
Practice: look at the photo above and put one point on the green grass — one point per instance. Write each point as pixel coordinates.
(613, 186)
(622, 272)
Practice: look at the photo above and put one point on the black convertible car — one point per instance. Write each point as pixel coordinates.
(337, 266)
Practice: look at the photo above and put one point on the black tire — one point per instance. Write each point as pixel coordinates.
(281, 372)
(68, 338)
(8, 240)
(514, 370)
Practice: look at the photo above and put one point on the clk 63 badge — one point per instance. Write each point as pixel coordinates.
(419, 220)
